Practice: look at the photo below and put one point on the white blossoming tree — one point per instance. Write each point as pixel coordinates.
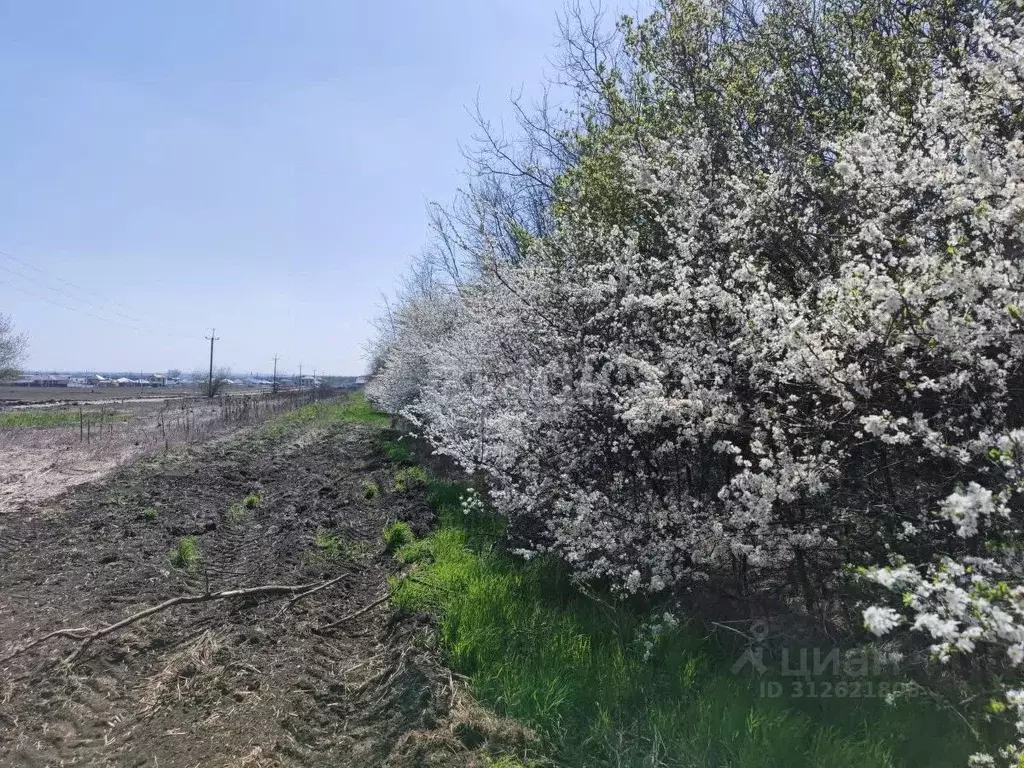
(774, 327)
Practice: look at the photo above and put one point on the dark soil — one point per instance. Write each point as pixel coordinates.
(239, 682)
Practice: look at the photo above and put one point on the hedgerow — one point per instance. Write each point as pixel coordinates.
(769, 331)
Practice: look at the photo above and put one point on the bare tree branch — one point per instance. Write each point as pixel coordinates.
(87, 636)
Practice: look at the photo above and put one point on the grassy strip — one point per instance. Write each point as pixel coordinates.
(352, 408)
(49, 418)
(602, 689)
(349, 409)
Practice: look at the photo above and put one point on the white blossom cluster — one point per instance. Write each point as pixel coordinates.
(402, 349)
(652, 632)
(780, 359)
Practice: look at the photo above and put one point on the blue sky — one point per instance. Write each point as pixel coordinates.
(255, 165)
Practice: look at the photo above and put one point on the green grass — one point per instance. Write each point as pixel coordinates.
(409, 479)
(239, 511)
(370, 490)
(330, 547)
(186, 554)
(397, 535)
(574, 668)
(506, 762)
(148, 514)
(396, 452)
(236, 513)
(43, 419)
(416, 551)
(351, 409)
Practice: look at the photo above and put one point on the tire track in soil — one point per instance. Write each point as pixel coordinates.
(237, 683)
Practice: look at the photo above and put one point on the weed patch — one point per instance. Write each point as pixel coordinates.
(409, 479)
(185, 554)
(239, 511)
(397, 535)
(330, 547)
(236, 513)
(149, 514)
(370, 490)
(396, 452)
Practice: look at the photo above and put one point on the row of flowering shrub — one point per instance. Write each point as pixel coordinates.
(784, 335)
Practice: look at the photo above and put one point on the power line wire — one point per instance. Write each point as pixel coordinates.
(48, 300)
(65, 294)
(122, 323)
(108, 303)
(127, 320)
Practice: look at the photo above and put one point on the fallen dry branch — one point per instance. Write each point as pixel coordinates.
(309, 592)
(87, 636)
(357, 614)
(80, 633)
(317, 588)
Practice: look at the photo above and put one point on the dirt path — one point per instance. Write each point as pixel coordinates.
(237, 683)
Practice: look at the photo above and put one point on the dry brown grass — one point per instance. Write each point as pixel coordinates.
(37, 464)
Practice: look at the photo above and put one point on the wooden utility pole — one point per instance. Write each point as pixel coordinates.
(209, 384)
(275, 373)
